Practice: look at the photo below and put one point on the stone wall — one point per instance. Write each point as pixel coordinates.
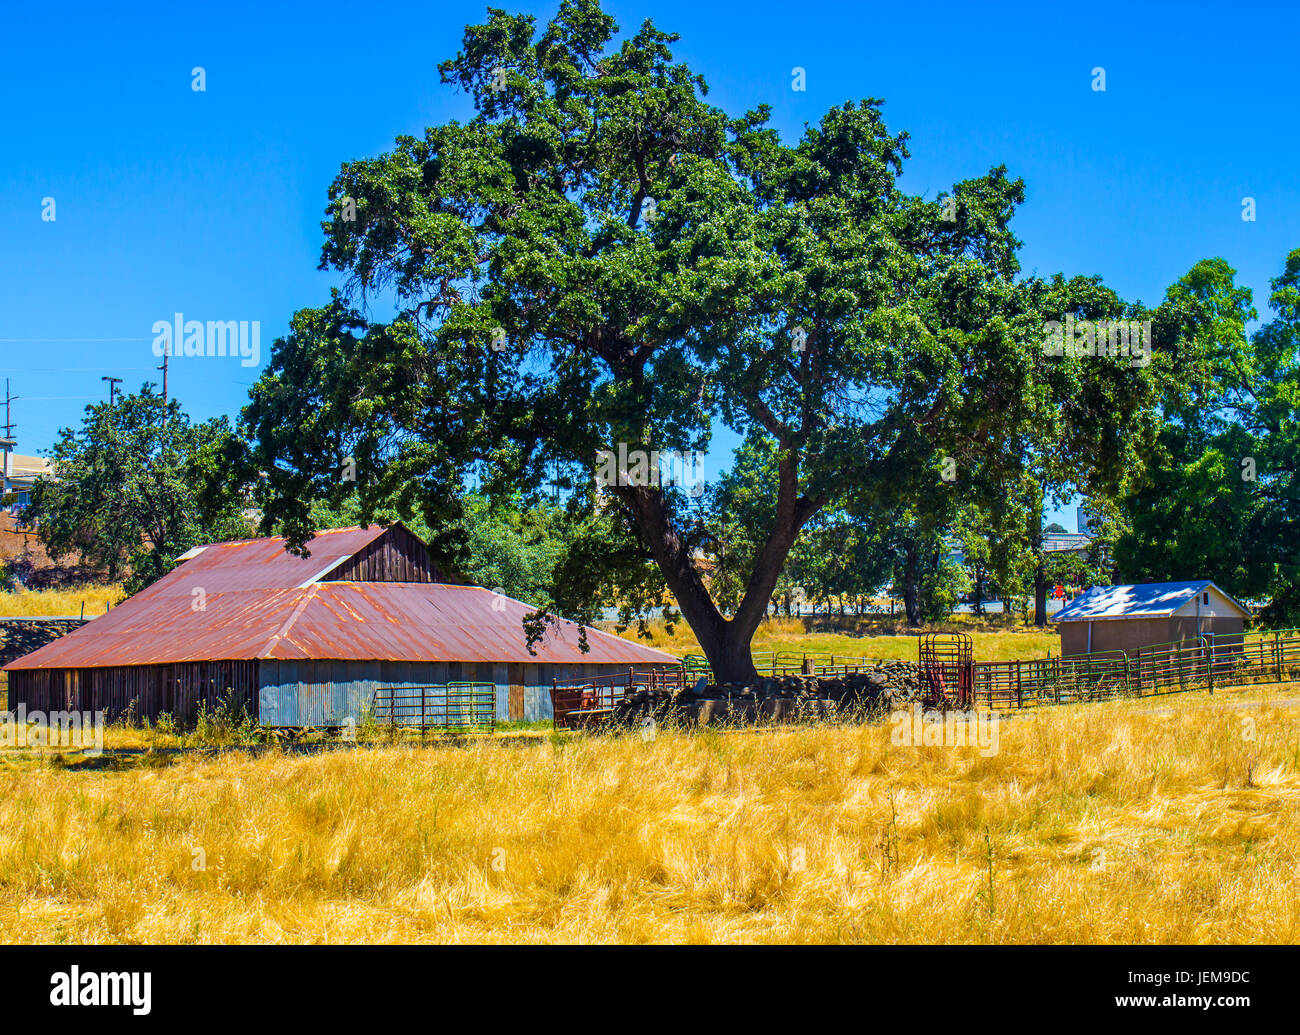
(869, 693)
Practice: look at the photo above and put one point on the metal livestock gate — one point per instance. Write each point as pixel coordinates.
(450, 708)
(947, 670)
(581, 702)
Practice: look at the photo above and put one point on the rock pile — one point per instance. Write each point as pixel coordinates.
(875, 691)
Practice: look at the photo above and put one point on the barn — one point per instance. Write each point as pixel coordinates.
(1128, 618)
(308, 641)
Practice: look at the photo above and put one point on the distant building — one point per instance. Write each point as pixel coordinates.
(1128, 618)
(1066, 542)
(20, 474)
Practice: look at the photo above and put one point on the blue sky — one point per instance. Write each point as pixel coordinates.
(209, 203)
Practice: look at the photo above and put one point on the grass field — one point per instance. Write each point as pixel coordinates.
(59, 602)
(993, 641)
(1175, 820)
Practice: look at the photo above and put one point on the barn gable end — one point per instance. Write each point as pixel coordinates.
(396, 556)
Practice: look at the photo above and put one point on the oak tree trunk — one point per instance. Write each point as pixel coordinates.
(911, 585)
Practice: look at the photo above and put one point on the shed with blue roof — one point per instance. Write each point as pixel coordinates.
(1129, 618)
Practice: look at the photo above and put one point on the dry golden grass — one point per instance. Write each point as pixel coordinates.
(1149, 821)
(55, 603)
(993, 641)
(59, 602)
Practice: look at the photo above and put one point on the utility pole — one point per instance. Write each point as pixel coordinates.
(9, 400)
(166, 356)
(7, 443)
(113, 382)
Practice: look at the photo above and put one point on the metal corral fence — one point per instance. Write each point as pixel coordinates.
(789, 663)
(1165, 668)
(439, 708)
(590, 700)
(1025, 684)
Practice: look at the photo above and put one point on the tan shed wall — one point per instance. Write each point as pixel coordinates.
(1222, 628)
(1130, 634)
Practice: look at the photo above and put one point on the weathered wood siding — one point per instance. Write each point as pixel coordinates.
(283, 693)
(145, 691)
(396, 556)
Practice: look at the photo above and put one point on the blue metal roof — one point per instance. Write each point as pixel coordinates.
(1149, 600)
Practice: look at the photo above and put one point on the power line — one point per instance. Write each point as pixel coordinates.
(78, 370)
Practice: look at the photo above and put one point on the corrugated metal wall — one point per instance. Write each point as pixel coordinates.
(326, 693)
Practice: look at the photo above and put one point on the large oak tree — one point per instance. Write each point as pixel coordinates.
(601, 257)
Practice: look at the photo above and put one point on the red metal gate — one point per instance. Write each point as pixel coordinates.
(947, 666)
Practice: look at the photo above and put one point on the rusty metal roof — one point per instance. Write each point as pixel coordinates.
(262, 563)
(250, 599)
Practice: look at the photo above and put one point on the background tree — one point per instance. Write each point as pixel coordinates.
(973, 531)
(136, 486)
(1218, 498)
(927, 578)
(840, 562)
(836, 560)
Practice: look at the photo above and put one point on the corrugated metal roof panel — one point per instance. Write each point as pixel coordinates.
(362, 621)
(259, 564)
(1149, 600)
(437, 622)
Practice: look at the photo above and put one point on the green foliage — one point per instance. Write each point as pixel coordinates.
(601, 257)
(1218, 499)
(839, 559)
(226, 724)
(514, 550)
(975, 533)
(137, 485)
(925, 576)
